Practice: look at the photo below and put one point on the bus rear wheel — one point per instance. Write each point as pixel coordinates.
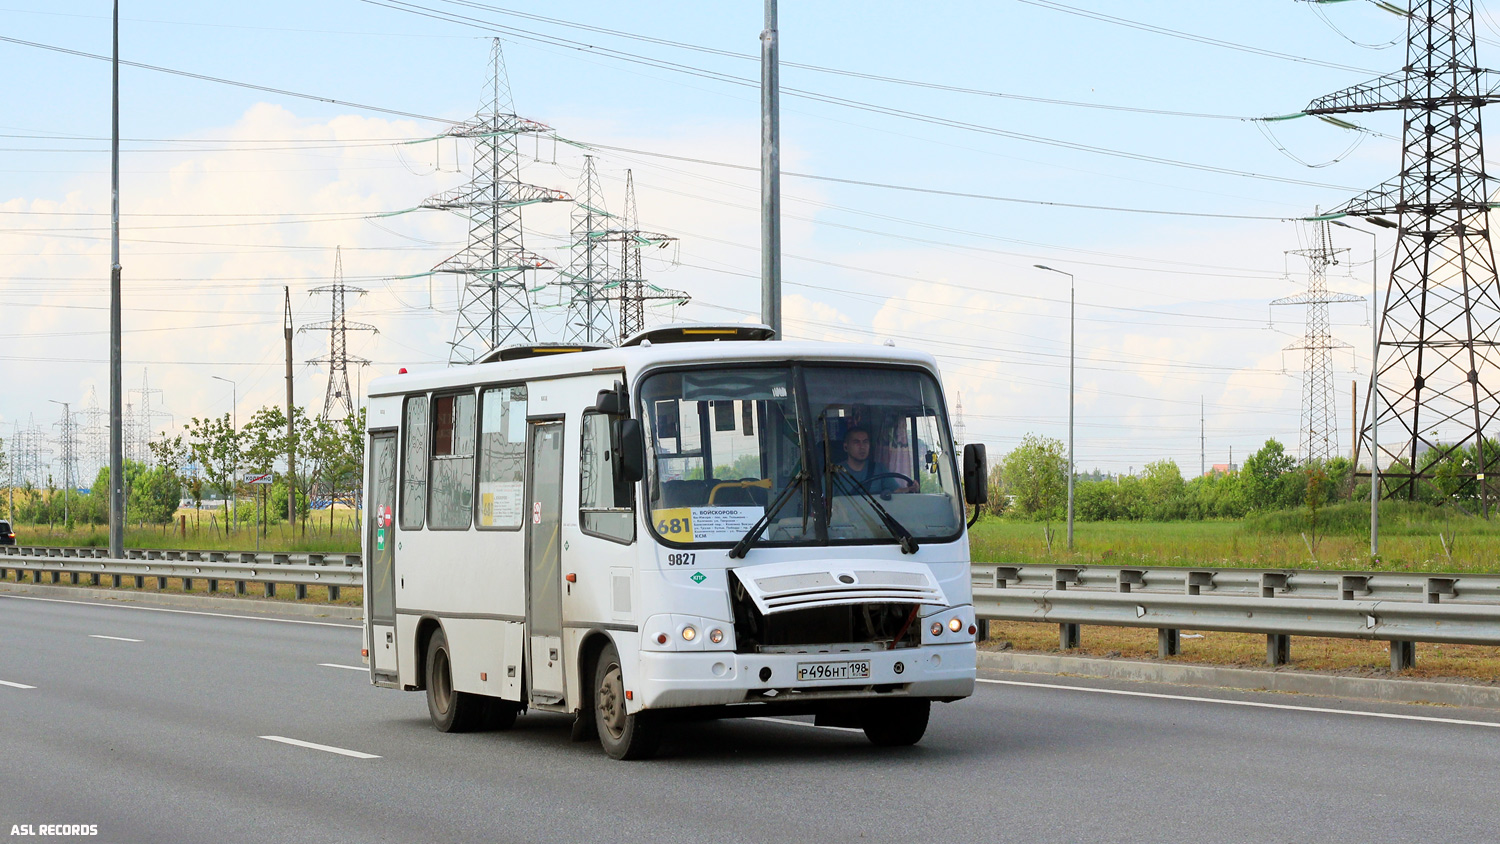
(896, 723)
(623, 735)
(452, 711)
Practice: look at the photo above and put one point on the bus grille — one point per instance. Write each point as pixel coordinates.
(776, 591)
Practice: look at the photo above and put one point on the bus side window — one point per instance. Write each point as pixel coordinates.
(502, 458)
(605, 509)
(414, 467)
(450, 500)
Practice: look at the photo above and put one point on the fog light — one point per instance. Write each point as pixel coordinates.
(661, 638)
(937, 628)
(689, 634)
(955, 625)
(716, 635)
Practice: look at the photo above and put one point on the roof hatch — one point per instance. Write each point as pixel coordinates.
(700, 332)
(537, 350)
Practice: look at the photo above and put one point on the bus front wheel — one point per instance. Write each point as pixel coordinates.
(623, 735)
(452, 711)
(896, 723)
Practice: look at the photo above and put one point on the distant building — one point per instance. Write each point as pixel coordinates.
(1222, 469)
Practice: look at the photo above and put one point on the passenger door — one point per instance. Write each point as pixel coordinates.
(544, 563)
(380, 546)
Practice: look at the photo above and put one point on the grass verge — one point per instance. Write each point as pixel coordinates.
(1412, 539)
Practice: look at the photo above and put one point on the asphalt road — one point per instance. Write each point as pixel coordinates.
(155, 735)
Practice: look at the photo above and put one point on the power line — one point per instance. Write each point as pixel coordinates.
(940, 192)
(424, 11)
(205, 78)
(1187, 36)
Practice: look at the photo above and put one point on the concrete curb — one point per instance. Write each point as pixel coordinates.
(197, 602)
(1297, 682)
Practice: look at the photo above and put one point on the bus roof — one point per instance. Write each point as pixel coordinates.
(634, 359)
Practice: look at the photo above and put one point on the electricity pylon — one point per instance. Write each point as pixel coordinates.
(338, 397)
(67, 444)
(494, 305)
(1436, 346)
(95, 454)
(26, 453)
(141, 421)
(1319, 422)
(631, 288)
(587, 317)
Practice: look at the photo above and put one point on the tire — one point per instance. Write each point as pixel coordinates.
(452, 711)
(500, 714)
(623, 736)
(896, 723)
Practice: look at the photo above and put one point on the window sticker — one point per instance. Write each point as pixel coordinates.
(705, 524)
(500, 503)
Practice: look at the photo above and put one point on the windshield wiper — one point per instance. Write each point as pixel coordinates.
(898, 530)
(742, 547)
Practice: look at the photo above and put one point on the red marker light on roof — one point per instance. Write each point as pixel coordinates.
(401, 371)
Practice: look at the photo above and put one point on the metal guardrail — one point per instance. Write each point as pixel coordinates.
(1280, 603)
(240, 567)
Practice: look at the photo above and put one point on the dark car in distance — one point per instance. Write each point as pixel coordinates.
(7, 536)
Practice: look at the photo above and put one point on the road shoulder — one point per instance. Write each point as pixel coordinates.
(194, 602)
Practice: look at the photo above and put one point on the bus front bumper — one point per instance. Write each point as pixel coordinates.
(672, 680)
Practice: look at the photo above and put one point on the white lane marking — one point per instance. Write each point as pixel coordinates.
(1254, 703)
(183, 612)
(807, 724)
(350, 667)
(114, 638)
(15, 685)
(326, 748)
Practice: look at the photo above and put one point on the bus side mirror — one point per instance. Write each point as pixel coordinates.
(976, 474)
(614, 402)
(631, 466)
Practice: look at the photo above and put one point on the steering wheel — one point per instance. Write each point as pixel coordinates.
(885, 494)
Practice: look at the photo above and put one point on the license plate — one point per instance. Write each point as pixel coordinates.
(858, 670)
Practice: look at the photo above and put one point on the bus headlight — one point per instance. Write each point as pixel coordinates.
(689, 633)
(716, 635)
(955, 624)
(937, 628)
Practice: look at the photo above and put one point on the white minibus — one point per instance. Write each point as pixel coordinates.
(698, 523)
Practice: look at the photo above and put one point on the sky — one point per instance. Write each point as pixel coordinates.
(955, 146)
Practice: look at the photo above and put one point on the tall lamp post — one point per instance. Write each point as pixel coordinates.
(234, 422)
(1072, 304)
(770, 174)
(1375, 315)
(116, 387)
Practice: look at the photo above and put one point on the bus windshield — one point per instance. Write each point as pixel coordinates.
(726, 442)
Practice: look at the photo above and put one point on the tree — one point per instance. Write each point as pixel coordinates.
(1163, 489)
(1036, 475)
(216, 447)
(1262, 474)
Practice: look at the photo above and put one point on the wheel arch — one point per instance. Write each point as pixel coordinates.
(593, 643)
(426, 626)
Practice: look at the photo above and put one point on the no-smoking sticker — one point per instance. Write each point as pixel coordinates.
(536, 512)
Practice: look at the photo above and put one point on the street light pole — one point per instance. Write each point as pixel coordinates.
(770, 175)
(1072, 345)
(1375, 315)
(116, 387)
(234, 422)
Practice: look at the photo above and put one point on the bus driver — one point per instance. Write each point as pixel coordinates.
(858, 465)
